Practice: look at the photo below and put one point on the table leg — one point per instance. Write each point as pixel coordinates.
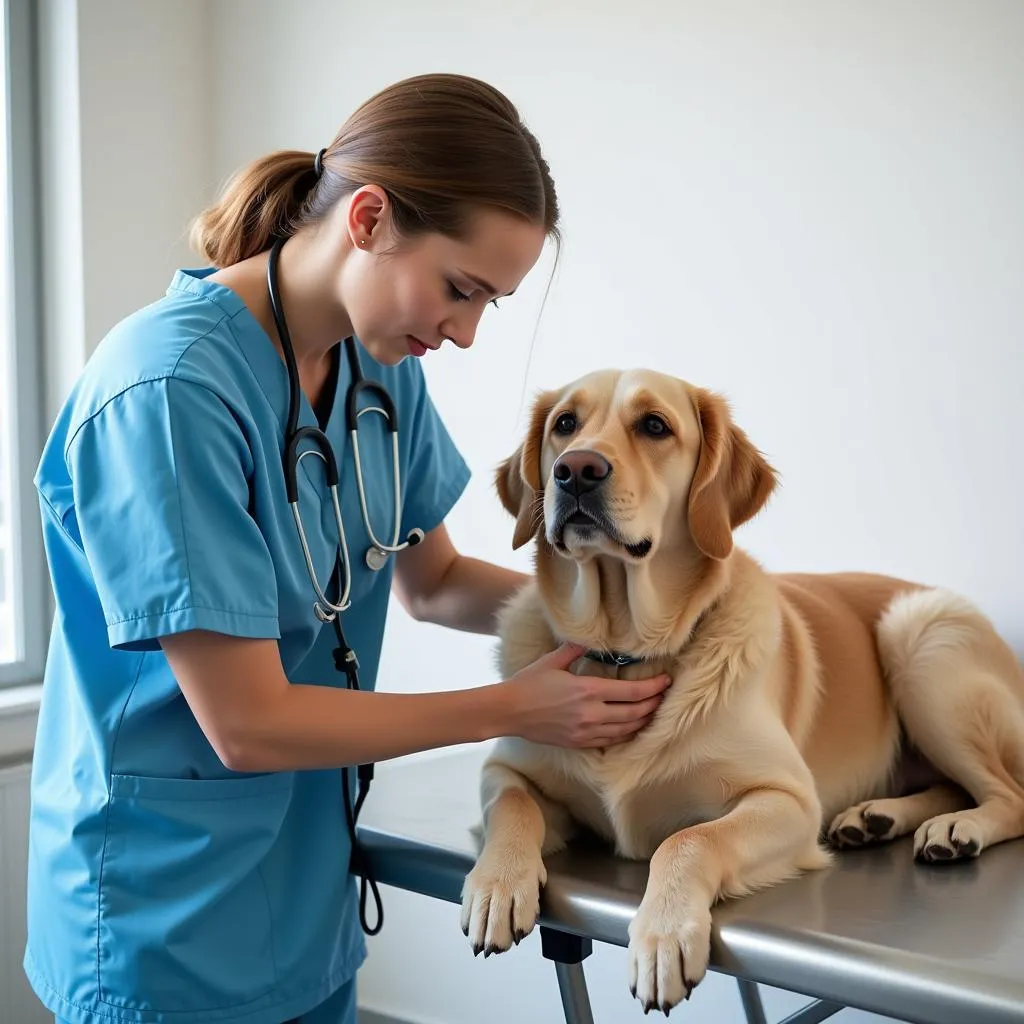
(813, 1013)
(573, 987)
(568, 953)
(751, 999)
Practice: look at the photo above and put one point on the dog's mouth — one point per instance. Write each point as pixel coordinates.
(585, 523)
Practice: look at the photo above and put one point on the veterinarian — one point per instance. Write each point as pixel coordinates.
(221, 597)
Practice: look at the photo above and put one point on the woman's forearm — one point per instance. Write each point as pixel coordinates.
(257, 721)
(322, 727)
(470, 595)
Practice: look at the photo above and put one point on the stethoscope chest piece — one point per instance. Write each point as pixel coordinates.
(376, 559)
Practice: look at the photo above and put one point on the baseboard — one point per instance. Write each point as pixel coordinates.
(372, 1017)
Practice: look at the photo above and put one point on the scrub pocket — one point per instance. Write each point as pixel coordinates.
(186, 922)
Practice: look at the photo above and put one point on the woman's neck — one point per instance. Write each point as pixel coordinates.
(306, 277)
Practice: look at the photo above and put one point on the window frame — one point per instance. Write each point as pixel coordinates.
(24, 238)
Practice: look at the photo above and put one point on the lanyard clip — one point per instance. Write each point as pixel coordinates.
(345, 660)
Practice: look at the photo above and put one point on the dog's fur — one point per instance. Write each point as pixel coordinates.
(852, 706)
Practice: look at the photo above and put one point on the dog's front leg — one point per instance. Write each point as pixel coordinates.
(768, 835)
(501, 895)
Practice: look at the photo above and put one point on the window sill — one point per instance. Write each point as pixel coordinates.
(19, 709)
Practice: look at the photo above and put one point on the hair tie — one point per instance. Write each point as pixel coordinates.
(318, 163)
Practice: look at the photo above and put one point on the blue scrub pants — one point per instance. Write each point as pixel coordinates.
(339, 1008)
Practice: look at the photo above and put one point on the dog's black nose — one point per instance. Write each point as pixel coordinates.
(580, 471)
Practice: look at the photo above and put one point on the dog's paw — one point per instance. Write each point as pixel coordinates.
(501, 898)
(862, 824)
(669, 947)
(955, 836)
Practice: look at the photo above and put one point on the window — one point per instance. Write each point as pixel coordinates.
(23, 579)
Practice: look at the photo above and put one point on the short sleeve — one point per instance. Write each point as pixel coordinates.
(161, 496)
(435, 472)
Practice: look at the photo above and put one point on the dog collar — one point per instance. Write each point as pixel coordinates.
(613, 658)
(620, 660)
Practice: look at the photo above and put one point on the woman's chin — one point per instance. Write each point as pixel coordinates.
(387, 352)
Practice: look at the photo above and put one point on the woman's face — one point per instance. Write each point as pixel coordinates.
(406, 296)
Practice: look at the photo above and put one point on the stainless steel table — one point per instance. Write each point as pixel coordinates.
(940, 944)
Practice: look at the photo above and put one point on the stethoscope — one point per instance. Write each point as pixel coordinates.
(377, 554)
(378, 551)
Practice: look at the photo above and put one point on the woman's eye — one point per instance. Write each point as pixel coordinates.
(654, 426)
(456, 294)
(566, 423)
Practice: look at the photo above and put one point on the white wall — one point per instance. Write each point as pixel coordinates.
(146, 148)
(815, 208)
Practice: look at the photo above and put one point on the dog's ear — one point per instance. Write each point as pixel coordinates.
(732, 481)
(517, 478)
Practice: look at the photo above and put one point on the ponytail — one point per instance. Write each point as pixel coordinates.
(262, 201)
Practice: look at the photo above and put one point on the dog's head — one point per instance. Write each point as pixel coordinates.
(627, 463)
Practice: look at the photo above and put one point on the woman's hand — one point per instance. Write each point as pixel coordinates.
(551, 705)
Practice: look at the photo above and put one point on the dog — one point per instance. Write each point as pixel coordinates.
(806, 713)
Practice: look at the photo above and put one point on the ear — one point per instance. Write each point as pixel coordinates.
(517, 479)
(732, 482)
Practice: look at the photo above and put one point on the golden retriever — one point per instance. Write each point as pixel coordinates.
(798, 702)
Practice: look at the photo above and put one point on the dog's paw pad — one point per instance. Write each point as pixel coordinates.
(852, 834)
(949, 837)
(878, 825)
(965, 847)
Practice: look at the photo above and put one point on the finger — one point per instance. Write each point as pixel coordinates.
(610, 735)
(629, 690)
(626, 712)
(561, 657)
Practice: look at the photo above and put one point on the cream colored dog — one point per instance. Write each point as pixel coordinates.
(797, 705)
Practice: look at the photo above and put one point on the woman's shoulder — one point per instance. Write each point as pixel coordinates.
(191, 333)
(161, 339)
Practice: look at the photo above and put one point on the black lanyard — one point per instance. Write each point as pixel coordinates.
(346, 662)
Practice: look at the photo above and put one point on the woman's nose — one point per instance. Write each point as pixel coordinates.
(461, 331)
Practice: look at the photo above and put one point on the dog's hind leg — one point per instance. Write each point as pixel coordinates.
(878, 821)
(959, 692)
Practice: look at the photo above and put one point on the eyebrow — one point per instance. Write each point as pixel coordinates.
(489, 288)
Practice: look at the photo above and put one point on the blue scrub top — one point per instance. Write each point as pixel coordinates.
(161, 885)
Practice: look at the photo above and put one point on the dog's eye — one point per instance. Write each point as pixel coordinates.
(654, 426)
(565, 424)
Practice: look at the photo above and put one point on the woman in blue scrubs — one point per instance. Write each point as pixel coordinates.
(189, 849)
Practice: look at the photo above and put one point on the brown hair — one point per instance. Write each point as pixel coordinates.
(439, 145)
